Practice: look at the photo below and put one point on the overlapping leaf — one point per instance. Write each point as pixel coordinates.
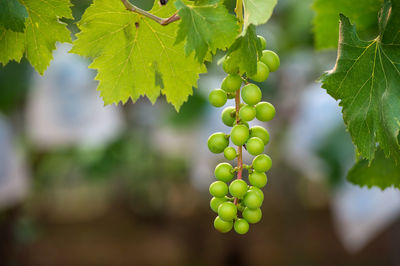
(42, 31)
(134, 55)
(12, 15)
(366, 79)
(362, 12)
(257, 12)
(206, 28)
(245, 51)
(383, 172)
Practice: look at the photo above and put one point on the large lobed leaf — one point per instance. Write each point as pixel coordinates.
(383, 172)
(362, 12)
(134, 55)
(12, 15)
(257, 12)
(366, 79)
(42, 30)
(206, 27)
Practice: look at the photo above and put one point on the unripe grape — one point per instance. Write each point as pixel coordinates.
(218, 189)
(247, 113)
(223, 172)
(258, 179)
(262, 72)
(252, 200)
(262, 163)
(222, 226)
(271, 59)
(227, 211)
(238, 188)
(217, 142)
(252, 216)
(239, 134)
(215, 202)
(241, 226)
(228, 116)
(265, 111)
(251, 94)
(231, 95)
(258, 191)
(230, 153)
(263, 42)
(217, 97)
(255, 146)
(260, 132)
(229, 67)
(231, 83)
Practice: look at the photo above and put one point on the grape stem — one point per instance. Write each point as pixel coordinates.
(161, 21)
(239, 157)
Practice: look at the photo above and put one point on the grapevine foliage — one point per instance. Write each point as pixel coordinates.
(12, 15)
(257, 12)
(42, 30)
(362, 12)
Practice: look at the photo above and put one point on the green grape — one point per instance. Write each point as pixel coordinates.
(263, 42)
(231, 95)
(231, 83)
(262, 163)
(255, 146)
(218, 189)
(251, 94)
(262, 72)
(222, 226)
(215, 202)
(217, 142)
(258, 191)
(227, 211)
(241, 226)
(228, 116)
(238, 188)
(260, 132)
(265, 111)
(230, 68)
(252, 216)
(247, 113)
(217, 97)
(252, 200)
(271, 59)
(258, 179)
(223, 172)
(239, 134)
(230, 153)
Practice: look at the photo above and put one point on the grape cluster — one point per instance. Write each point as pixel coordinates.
(230, 198)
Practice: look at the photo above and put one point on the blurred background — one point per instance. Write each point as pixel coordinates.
(84, 184)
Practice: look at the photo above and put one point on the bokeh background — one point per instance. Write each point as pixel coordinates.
(84, 184)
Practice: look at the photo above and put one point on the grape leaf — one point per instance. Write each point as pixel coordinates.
(366, 79)
(12, 15)
(206, 27)
(383, 172)
(134, 55)
(257, 12)
(362, 12)
(245, 51)
(42, 31)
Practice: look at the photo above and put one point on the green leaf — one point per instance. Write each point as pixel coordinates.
(12, 15)
(366, 80)
(383, 172)
(257, 12)
(206, 27)
(245, 51)
(42, 31)
(134, 55)
(326, 21)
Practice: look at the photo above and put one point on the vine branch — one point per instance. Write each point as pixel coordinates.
(161, 21)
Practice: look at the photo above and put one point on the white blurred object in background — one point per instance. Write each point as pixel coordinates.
(14, 181)
(64, 107)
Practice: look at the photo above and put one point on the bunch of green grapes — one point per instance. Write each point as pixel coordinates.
(236, 202)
